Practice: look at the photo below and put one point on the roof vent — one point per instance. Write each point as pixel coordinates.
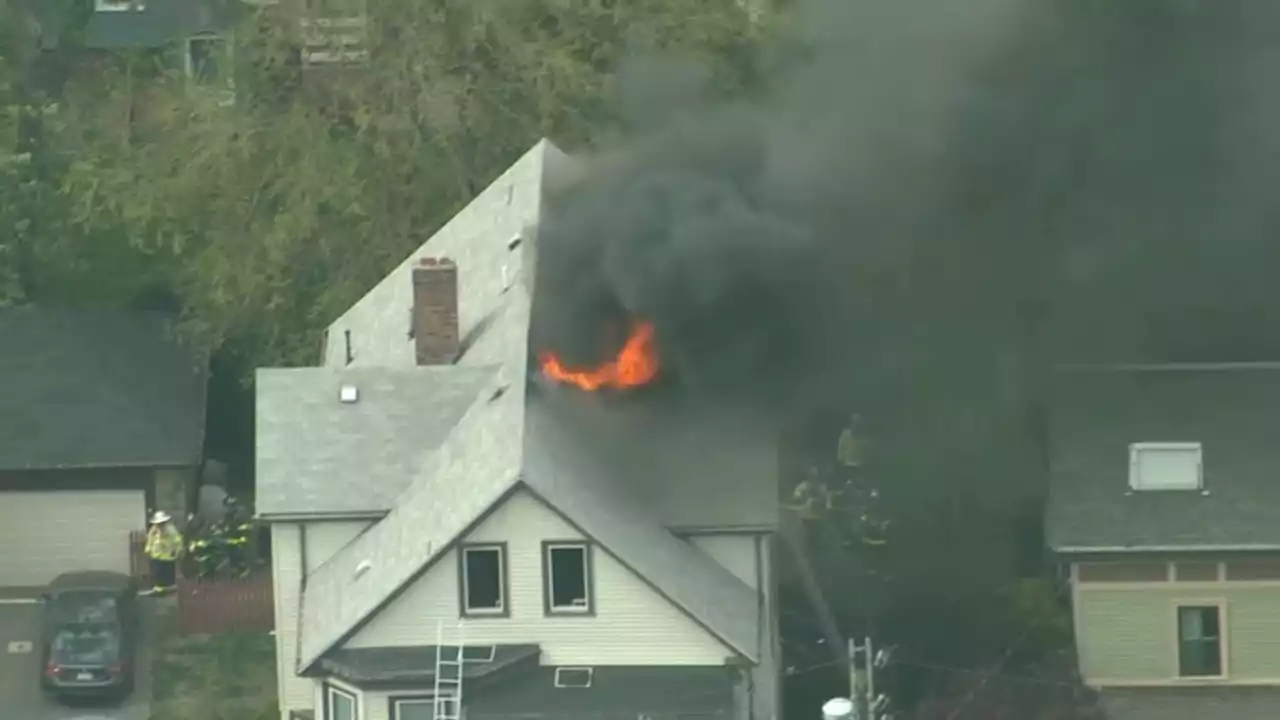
(349, 393)
(363, 567)
(515, 241)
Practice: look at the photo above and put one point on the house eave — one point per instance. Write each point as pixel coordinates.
(1122, 549)
(321, 516)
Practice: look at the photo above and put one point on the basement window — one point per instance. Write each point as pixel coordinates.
(1200, 641)
(567, 574)
(484, 580)
(573, 677)
(1166, 466)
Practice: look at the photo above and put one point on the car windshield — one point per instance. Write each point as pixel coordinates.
(84, 606)
(86, 644)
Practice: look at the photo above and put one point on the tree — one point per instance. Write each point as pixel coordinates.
(264, 220)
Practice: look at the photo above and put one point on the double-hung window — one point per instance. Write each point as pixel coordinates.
(567, 576)
(483, 580)
(1200, 641)
(340, 704)
(420, 707)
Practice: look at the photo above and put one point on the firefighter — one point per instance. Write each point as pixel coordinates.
(236, 532)
(164, 544)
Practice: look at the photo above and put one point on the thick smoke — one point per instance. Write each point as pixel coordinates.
(927, 195)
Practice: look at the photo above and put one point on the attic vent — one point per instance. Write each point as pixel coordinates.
(348, 393)
(573, 677)
(363, 567)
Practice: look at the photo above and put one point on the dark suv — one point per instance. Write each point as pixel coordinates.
(90, 634)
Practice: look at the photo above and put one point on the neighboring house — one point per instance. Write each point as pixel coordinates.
(102, 419)
(197, 28)
(1165, 505)
(425, 488)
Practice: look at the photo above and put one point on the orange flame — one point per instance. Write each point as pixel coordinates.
(636, 364)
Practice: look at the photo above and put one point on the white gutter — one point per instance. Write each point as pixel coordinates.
(1112, 549)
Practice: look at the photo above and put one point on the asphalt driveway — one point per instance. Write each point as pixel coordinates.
(20, 694)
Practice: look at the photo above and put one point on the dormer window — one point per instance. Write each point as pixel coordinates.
(1166, 466)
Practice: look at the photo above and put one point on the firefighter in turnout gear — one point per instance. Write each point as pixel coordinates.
(222, 548)
(164, 545)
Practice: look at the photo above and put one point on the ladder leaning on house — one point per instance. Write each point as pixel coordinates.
(446, 703)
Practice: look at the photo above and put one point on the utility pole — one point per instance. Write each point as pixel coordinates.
(867, 703)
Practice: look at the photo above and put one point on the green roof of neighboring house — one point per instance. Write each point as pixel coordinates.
(96, 389)
(1230, 409)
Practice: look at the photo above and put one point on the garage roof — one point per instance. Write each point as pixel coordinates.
(89, 388)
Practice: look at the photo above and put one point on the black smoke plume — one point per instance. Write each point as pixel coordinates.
(928, 199)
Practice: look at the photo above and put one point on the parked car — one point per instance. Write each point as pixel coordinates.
(90, 634)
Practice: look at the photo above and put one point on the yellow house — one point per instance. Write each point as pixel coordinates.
(1165, 508)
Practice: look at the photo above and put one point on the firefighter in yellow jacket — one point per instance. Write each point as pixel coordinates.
(164, 544)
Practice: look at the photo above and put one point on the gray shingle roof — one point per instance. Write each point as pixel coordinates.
(85, 388)
(476, 465)
(561, 468)
(320, 455)
(477, 238)
(503, 436)
(1231, 410)
(688, 468)
(1198, 703)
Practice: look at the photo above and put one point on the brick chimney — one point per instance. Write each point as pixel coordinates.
(435, 311)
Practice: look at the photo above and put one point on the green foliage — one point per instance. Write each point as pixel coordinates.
(220, 677)
(265, 219)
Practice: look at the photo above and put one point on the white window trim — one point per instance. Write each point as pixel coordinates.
(1136, 450)
(552, 607)
(502, 581)
(427, 698)
(186, 59)
(118, 5)
(1224, 647)
(331, 691)
(590, 677)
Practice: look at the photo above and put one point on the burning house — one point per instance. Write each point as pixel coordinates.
(595, 543)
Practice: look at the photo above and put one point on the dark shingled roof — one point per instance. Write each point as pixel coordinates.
(1192, 703)
(418, 664)
(96, 389)
(152, 24)
(1232, 410)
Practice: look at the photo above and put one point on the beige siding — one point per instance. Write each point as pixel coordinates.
(633, 624)
(1127, 634)
(326, 538)
(292, 544)
(286, 566)
(735, 551)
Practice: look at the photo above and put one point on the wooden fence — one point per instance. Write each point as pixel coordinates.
(226, 605)
(213, 606)
(139, 563)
